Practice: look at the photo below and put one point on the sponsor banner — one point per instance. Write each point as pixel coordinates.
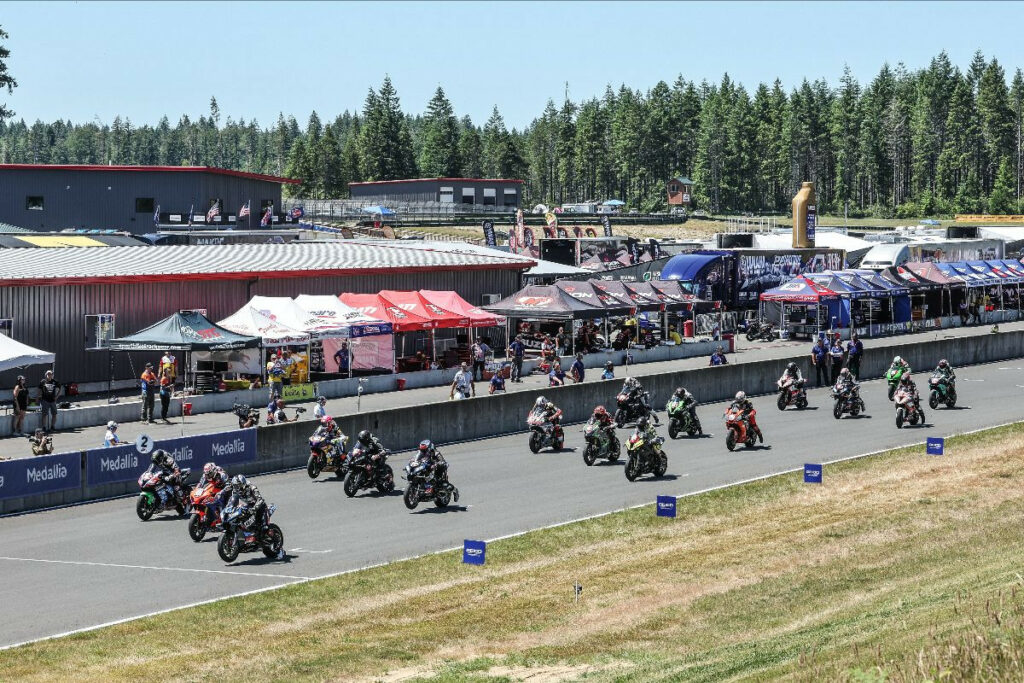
(936, 445)
(812, 222)
(666, 506)
(124, 463)
(489, 237)
(40, 474)
(297, 393)
(812, 474)
(606, 222)
(474, 552)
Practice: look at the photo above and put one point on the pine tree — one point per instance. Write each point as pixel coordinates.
(470, 150)
(1001, 200)
(440, 154)
(6, 80)
(845, 129)
(494, 141)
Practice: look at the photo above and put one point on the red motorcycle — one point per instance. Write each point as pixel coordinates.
(908, 408)
(157, 495)
(738, 429)
(792, 392)
(206, 509)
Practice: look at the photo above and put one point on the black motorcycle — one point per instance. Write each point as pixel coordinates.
(645, 457)
(753, 329)
(601, 443)
(630, 410)
(245, 413)
(365, 472)
(942, 390)
(765, 332)
(847, 400)
(419, 489)
(244, 533)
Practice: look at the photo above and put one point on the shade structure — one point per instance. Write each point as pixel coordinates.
(283, 309)
(799, 290)
(381, 210)
(377, 307)
(412, 302)
(14, 354)
(186, 331)
(250, 322)
(585, 290)
(1005, 271)
(450, 301)
(547, 302)
(935, 273)
(330, 310)
(641, 301)
(909, 279)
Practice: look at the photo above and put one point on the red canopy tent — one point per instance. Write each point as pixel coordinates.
(412, 302)
(450, 301)
(377, 306)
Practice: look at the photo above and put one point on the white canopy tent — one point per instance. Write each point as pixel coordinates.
(248, 321)
(14, 354)
(284, 310)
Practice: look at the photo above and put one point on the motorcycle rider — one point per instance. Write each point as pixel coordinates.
(846, 381)
(550, 412)
(333, 433)
(746, 409)
(243, 492)
(945, 371)
(168, 470)
(908, 385)
(438, 472)
(371, 444)
(609, 371)
(650, 436)
(212, 472)
(604, 421)
(688, 400)
(636, 393)
(899, 364)
(791, 374)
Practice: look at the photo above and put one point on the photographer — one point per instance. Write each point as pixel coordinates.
(41, 443)
(280, 417)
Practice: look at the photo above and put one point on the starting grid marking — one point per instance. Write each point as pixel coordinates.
(164, 569)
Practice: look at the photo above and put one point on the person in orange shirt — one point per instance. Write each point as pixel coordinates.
(148, 384)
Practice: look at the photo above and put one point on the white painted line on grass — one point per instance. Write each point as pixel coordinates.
(163, 569)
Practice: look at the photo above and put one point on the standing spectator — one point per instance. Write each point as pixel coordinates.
(576, 371)
(836, 356)
(49, 390)
(854, 352)
(673, 335)
(480, 351)
(275, 374)
(560, 342)
(497, 383)
(819, 359)
(963, 312)
(609, 371)
(718, 357)
(516, 350)
(556, 377)
(148, 383)
(463, 383)
(168, 361)
(20, 405)
(166, 389)
(341, 358)
(547, 349)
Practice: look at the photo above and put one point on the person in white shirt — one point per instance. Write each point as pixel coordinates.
(463, 383)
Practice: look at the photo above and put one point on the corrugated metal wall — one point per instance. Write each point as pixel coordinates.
(53, 318)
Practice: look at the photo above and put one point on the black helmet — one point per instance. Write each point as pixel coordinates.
(679, 392)
(160, 457)
(364, 437)
(791, 367)
(642, 422)
(321, 400)
(426, 446)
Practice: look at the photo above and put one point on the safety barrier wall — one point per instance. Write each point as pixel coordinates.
(285, 446)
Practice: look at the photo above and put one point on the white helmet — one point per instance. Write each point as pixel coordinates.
(741, 395)
(897, 360)
(111, 425)
(541, 402)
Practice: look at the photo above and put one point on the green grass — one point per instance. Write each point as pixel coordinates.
(899, 567)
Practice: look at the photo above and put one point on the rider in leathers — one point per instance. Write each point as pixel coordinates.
(792, 373)
(550, 412)
(604, 421)
(245, 493)
(170, 474)
(334, 434)
(688, 400)
(908, 385)
(636, 393)
(371, 445)
(747, 410)
(438, 472)
(649, 435)
(945, 371)
(846, 381)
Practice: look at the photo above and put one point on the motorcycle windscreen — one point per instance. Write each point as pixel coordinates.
(368, 353)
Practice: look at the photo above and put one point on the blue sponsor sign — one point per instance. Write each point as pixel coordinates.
(666, 506)
(124, 463)
(40, 474)
(936, 445)
(474, 552)
(812, 474)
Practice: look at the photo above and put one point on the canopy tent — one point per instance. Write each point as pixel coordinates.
(802, 293)
(381, 210)
(909, 279)
(186, 331)
(412, 302)
(875, 278)
(1005, 270)
(365, 342)
(330, 311)
(14, 354)
(614, 202)
(252, 323)
(640, 300)
(799, 290)
(877, 289)
(450, 301)
(936, 272)
(377, 306)
(284, 310)
(586, 291)
(547, 302)
(673, 291)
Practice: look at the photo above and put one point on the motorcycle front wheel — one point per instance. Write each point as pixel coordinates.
(899, 418)
(313, 467)
(673, 428)
(273, 541)
(535, 442)
(144, 509)
(590, 454)
(837, 410)
(730, 440)
(196, 528)
(632, 468)
(662, 466)
(352, 483)
(227, 548)
(411, 498)
(933, 400)
(782, 402)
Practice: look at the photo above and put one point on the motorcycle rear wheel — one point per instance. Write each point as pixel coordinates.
(535, 443)
(590, 454)
(801, 403)
(227, 548)
(313, 467)
(632, 468)
(386, 484)
(273, 541)
(695, 428)
(196, 528)
(620, 418)
(442, 499)
(411, 497)
(352, 483)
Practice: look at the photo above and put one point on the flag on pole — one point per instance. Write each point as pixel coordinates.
(156, 215)
(267, 216)
(244, 211)
(214, 211)
(297, 212)
(191, 214)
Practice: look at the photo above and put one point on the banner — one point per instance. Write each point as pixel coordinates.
(40, 474)
(812, 222)
(576, 231)
(489, 237)
(368, 353)
(519, 231)
(633, 247)
(655, 249)
(606, 221)
(124, 463)
(297, 393)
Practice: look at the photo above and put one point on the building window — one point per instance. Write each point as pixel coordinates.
(510, 200)
(468, 195)
(489, 197)
(446, 195)
(673, 188)
(34, 203)
(144, 205)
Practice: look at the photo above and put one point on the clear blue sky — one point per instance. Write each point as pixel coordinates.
(141, 60)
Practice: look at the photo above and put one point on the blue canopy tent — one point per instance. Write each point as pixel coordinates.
(700, 274)
(899, 295)
(382, 210)
(815, 300)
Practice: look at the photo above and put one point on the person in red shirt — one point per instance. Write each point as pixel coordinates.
(166, 389)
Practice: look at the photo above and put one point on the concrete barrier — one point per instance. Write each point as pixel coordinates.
(285, 446)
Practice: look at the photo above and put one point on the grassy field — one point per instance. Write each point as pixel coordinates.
(899, 567)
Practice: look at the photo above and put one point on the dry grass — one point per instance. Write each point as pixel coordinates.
(893, 567)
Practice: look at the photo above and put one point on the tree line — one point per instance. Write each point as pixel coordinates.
(932, 141)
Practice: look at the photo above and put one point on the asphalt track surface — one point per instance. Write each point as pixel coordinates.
(83, 566)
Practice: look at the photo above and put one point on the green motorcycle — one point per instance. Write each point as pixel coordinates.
(892, 376)
(681, 420)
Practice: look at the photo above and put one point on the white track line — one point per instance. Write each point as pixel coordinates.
(86, 629)
(163, 569)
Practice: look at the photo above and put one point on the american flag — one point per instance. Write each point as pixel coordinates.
(267, 217)
(156, 215)
(214, 211)
(244, 211)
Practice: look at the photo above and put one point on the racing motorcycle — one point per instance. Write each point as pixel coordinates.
(847, 400)
(680, 419)
(544, 433)
(892, 376)
(242, 533)
(419, 490)
(792, 392)
(245, 412)
(908, 409)
(157, 495)
(753, 329)
(206, 507)
(738, 431)
(325, 457)
(630, 410)
(942, 391)
(601, 443)
(645, 457)
(765, 332)
(365, 473)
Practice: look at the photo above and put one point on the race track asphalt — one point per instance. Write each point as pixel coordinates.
(82, 566)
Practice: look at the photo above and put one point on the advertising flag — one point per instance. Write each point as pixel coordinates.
(156, 215)
(267, 216)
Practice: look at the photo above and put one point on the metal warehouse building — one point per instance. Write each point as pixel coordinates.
(51, 198)
(491, 194)
(50, 292)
